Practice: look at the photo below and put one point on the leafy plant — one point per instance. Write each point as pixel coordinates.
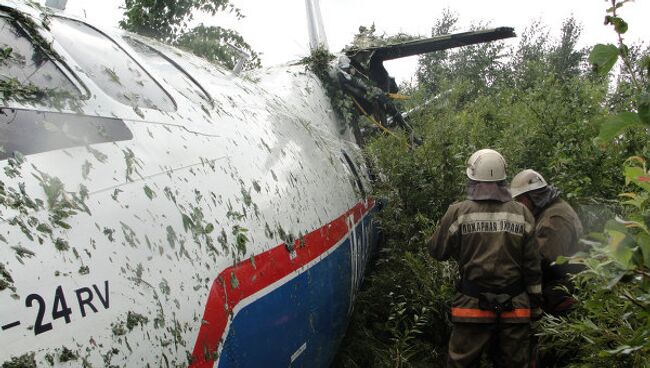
(169, 21)
(319, 62)
(12, 88)
(212, 43)
(540, 105)
(603, 58)
(611, 326)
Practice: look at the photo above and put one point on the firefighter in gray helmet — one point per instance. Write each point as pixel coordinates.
(492, 239)
(557, 232)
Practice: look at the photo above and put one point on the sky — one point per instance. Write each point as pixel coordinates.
(278, 29)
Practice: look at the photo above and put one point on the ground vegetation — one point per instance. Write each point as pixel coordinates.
(577, 115)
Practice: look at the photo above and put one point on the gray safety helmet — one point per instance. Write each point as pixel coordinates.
(486, 165)
(526, 181)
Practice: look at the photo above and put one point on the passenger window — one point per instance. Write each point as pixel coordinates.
(355, 173)
(28, 65)
(170, 72)
(112, 69)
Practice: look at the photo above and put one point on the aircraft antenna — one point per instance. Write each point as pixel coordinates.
(317, 37)
(56, 4)
(242, 58)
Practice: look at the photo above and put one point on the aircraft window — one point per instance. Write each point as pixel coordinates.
(28, 63)
(170, 72)
(30, 132)
(112, 69)
(355, 173)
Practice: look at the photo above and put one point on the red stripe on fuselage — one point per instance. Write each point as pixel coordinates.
(257, 274)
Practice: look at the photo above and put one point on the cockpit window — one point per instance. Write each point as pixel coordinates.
(26, 68)
(112, 69)
(170, 72)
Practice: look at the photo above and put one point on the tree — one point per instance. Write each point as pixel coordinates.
(169, 21)
(536, 103)
(611, 325)
(212, 43)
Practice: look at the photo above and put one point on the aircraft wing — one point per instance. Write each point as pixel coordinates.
(444, 42)
(369, 61)
(369, 64)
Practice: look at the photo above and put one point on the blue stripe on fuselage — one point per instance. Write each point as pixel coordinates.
(310, 309)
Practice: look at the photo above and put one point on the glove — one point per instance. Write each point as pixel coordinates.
(536, 306)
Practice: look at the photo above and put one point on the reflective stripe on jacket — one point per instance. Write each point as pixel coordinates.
(494, 245)
(480, 313)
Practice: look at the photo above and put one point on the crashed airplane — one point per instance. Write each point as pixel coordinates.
(157, 210)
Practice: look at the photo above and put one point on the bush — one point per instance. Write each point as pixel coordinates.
(611, 326)
(541, 105)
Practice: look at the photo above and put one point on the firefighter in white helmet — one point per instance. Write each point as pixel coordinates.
(491, 237)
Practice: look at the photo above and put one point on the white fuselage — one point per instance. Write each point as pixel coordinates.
(127, 240)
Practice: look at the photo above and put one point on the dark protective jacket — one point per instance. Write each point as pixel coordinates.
(494, 245)
(557, 230)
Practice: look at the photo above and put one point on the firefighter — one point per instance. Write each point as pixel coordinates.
(492, 239)
(557, 232)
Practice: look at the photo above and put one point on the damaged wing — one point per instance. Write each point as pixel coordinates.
(444, 42)
(369, 61)
(363, 75)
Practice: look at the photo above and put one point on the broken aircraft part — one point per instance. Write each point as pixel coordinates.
(158, 210)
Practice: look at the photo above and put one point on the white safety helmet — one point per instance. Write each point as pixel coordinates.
(526, 181)
(486, 165)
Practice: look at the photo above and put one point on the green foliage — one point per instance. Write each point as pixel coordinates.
(613, 125)
(611, 326)
(13, 89)
(541, 106)
(166, 20)
(356, 97)
(169, 21)
(619, 24)
(367, 37)
(319, 62)
(400, 318)
(212, 43)
(636, 71)
(644, 108)
(603, 58)
(135, 319)
(23, 361)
